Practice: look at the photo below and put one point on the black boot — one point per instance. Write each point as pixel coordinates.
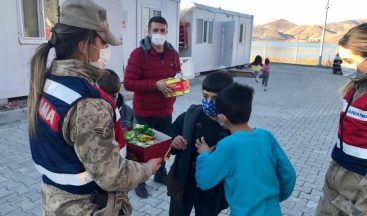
(161, 175)
(141, 191)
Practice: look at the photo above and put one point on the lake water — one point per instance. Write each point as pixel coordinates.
(289, 50)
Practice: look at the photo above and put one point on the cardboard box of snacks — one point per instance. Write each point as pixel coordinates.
(145, 143)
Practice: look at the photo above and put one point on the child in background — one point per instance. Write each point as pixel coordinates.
(256, 172)
(198, 121)
(256, 66)
(265, 74)
(110, 83)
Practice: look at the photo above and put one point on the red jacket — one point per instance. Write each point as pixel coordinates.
(145, 67)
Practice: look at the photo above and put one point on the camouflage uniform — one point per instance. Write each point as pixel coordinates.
(89, 127)
(345, 192)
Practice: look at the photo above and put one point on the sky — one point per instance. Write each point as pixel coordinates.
(301, 12)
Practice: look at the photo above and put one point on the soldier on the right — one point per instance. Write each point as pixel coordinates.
(345, 188)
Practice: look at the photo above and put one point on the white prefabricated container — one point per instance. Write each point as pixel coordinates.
(216, 38)
(25, 26)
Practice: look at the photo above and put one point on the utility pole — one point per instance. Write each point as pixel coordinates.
(323, 35)
(266, 46)
(295, 56)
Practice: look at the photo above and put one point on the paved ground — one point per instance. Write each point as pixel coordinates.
(300, 107)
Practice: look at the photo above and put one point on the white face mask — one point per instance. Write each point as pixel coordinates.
(104, 58)
(158, 39)
(351, 70)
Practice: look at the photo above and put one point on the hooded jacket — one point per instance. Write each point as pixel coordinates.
(145, 67)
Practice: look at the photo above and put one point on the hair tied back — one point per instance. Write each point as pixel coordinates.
(53, 40)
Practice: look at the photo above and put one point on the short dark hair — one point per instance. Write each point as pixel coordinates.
(109, 82)
(216, 81)
(235, 102)
(267, 61)
(157, 19)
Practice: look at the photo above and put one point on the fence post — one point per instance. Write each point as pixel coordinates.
(266, 46)
(295, 57)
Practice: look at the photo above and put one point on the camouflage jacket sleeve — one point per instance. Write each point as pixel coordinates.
(89, 127)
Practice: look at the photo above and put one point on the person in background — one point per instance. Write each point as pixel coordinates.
(128, 119)
(256, 172)
(148, 68)
(71, 121)
(346, 181)
(112, 85)
(265, 73)
(337, 64)
(256, 66)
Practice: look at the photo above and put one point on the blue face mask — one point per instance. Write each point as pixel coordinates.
(209, 108)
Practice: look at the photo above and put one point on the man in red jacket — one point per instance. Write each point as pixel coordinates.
(149, 66)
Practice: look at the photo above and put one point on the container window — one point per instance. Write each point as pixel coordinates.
(156, 12)
(199, 31)
(31, 24)
(210, 32)
(205, 37)
(204, 31)
(50, 16)
(37, 18)
(242, 33)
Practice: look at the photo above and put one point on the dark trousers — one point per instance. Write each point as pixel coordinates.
(194, 199)
(206, 203)
(265, 77)
(160, 124)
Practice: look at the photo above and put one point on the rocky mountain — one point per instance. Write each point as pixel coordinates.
(284, 30)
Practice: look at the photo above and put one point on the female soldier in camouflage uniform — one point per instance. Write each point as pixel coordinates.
(345, 189)
(71, 122)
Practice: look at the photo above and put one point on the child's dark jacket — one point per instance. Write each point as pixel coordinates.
(178, 177)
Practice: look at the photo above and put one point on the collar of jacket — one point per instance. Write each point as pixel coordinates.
(362, 80)
(362, 85)
(77, 68)
(146, 44)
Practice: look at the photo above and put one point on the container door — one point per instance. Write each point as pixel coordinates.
(227, 43)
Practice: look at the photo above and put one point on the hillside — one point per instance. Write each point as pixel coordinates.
(281, 25)
(260, 33)
(284, 30)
